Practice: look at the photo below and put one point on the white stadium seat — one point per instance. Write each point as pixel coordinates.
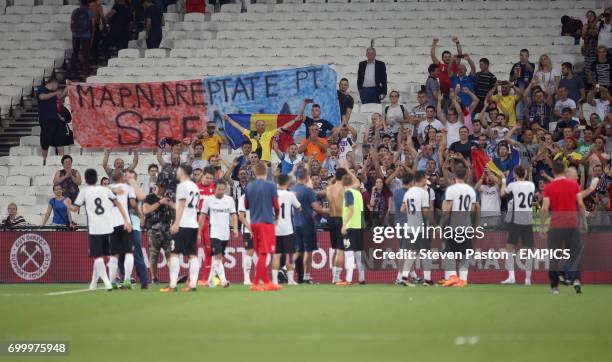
(18, 181)
(230, 8)
(20, 10)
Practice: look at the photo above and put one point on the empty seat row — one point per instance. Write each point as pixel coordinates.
(34, 44)
(370, 16)
(43, 9)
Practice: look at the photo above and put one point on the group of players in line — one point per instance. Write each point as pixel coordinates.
(268, 216)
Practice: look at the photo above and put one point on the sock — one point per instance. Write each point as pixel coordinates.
(307, 276)
(413, 274)
(261, 272)
(174, 269)
(349, 265)
(399, 276)
(463, 270)
(94, 277)
(528, 268)
(511, 275)
(406, 273)
(221, 271)
(509, 263)
(113, 266)
(194, 270)
(360, 266)
(206, 270)
(335, 274)
(274, 276)
(427, 274)
(246, 267)
(101, 273)
(290, 276)
(128, 265)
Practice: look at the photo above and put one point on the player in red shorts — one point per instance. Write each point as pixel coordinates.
(261, 199)
(206, 184)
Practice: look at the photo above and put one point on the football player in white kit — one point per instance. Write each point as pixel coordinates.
(99, 202)
(121, 242)
(521, 221)
(185, 230)
(416, 205)
(285, 242)
(220, 210)
(245, 229)
(459, 201)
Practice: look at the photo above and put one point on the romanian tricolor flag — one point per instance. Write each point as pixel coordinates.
(480, 160)
(273, 121)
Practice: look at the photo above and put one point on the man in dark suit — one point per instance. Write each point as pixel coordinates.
(372, 78)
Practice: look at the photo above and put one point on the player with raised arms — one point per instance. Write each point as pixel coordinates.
(220, 211)
(459, 202)
(99, 202)
(285, 241)
(521, 220)
(185, 230)
(121, 242)
(261, 199)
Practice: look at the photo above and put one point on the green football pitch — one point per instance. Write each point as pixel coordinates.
(374, 323)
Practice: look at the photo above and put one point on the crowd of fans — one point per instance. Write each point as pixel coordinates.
(539, 112)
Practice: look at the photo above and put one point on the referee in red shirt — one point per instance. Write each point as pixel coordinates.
(563, 199)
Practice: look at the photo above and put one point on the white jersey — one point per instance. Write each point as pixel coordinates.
(98, 201)
(242, 208)
(345, 145)
(286, 201)
(219, 211)
(416, 199)
(190, 193)
(127, 194)
(463, 198)
(490, 200)
(523, 194)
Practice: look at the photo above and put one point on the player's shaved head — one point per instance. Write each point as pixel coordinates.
(303, 175)
(261, 169)
(117, 175)
(558, 168)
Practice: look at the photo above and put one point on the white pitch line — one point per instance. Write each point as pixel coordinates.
(69, 292)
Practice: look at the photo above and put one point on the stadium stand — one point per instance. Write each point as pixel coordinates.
(35, 38)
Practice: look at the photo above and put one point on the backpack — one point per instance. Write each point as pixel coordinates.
(401, 107)
(81, 23)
